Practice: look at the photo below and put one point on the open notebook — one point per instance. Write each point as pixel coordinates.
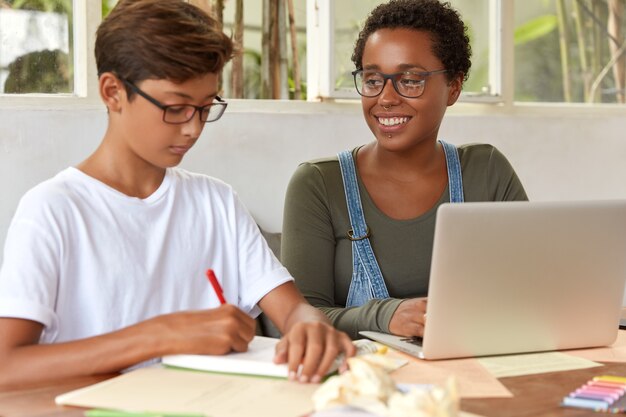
(258, 360)
(522, 277)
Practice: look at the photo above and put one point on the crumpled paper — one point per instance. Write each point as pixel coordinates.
(368, 386)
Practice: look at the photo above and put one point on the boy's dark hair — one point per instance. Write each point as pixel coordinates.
(160, 39)
(448, 32)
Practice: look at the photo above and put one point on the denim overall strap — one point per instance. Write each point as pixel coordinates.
(455, 179)
(367, 279)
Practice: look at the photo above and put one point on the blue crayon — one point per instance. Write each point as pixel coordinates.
(596, 405)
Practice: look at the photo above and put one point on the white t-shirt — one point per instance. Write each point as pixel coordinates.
(84, 259)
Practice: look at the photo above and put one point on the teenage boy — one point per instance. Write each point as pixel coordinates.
(104, 264)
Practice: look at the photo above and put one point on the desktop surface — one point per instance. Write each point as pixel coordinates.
(539, 395)
(534, 395)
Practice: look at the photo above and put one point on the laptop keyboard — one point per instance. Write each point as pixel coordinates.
(415, 340)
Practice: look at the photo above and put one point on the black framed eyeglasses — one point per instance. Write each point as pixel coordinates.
(182, 113)
(409, 84)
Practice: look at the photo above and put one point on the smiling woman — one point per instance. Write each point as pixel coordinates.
(358, 228)
(408, 52)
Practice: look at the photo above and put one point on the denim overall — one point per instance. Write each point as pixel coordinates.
(367, 279)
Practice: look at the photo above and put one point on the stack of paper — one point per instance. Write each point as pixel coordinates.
(171, 391)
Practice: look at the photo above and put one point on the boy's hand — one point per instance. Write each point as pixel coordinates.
(410, 318)
(23, 360)
(210, 332)
(315, 345)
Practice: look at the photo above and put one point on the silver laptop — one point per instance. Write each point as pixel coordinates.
(522, 277)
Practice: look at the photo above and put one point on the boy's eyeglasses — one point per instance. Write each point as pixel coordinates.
(182, 113)
(408, 84)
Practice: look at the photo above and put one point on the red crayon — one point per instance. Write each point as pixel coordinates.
(606, 394)
(608, 384)
(216, 286)
(594, 387)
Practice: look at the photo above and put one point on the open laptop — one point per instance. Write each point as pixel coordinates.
(522, 277)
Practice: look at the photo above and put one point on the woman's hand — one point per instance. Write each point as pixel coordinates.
(410, 318)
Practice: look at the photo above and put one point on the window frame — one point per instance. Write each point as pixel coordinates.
(88, 14)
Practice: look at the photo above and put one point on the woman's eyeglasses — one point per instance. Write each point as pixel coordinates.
(409, 84)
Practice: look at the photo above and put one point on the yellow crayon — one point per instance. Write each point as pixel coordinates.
(610, 378)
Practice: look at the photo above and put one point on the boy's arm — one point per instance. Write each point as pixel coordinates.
(309, 338)
(24, 361)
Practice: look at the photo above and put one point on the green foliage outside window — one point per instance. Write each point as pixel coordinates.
(39, 72)
(44, 71)
(571, 51)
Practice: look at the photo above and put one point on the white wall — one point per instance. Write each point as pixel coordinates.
(558, 154)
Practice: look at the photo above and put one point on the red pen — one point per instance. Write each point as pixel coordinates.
(216, 285)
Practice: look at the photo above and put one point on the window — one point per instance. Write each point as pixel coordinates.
(548, 51)
(36, 48)
(570, 51)
(268, 69)
(533, 51)
(334, 27)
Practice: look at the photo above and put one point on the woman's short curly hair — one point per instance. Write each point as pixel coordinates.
(449, 34)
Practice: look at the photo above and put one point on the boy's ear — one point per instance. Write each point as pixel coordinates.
(111, 91)
(455, 89)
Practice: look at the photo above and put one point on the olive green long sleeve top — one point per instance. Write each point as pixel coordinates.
(318, 254)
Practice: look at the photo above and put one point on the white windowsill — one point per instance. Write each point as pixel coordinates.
(69, 102)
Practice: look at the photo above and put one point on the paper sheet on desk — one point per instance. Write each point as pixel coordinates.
(175, 391)
(533, 363)
(474, 381)
(614, 353)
